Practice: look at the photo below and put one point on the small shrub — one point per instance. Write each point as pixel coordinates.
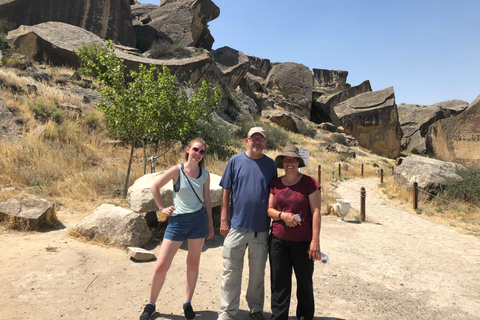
(165, 50)
(92, 120)
(415, 151)
(44, 113)
(467, 189)
(340, 139)
(310, 131)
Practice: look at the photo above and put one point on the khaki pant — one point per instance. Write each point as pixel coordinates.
(234, 248)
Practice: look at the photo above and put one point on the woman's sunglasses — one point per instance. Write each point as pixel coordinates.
(202, 152)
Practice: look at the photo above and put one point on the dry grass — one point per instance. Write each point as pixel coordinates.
(457, 215)
(13, 223)
(69, 164)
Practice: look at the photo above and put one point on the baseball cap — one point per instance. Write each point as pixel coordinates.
(256, 130)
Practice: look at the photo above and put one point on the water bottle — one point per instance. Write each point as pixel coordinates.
(323, 258)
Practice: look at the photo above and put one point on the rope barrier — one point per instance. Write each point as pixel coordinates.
(335, 184)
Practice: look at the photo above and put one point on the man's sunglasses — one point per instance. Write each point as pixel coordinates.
(201, 151)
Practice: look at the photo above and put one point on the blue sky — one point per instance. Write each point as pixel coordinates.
(429, 51)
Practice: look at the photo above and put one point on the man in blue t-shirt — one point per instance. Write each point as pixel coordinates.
(246, 181)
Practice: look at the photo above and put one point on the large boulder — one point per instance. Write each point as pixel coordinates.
(322, 110)
(108, 19)
(290, 85)
(286, 120)
(372, 119)
(140, 197)
(330, 78)
(259, 67)
(457, 139)
(416, 119)
(239, 105)
(31, 213)
(232, 64)
(54, 43)
(182, 22)
(429, 173)
(115, 225)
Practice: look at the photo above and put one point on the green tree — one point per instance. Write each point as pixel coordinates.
(148, 107)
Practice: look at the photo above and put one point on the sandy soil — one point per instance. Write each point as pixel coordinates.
(394, 266)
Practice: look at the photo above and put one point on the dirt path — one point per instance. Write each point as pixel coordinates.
(394, 266)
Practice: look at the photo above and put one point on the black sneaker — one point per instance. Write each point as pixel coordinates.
(257, 315)
(147, 312)
(188, 311)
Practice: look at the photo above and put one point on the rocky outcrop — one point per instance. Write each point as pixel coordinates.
(416, 119)
(457, 139)
(259, 67)
(140, 197)
(372, 119)
(116, 226)
(429, 173)
(232, 64)
(11, 122)
(31, 213)
(140, 12)
(243, 106)
(108, 19)
(184, 22)
(54, 43)
(322, 110)
(330, 78)
(290, 86)
(286, 120)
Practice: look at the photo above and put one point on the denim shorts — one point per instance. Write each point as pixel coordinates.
(188, 225)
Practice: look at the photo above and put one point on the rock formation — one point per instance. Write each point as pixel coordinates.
(290, 86)
(30, 212)
(183, 21)
(457, 139)
(372, 119)
(416, 119)
(108, 19)
(232, 64)
(54, 42)
(115, 225)
(428, 173)
(322, 109)
(330, 78)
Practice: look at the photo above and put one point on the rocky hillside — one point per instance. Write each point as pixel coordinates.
(289, 94)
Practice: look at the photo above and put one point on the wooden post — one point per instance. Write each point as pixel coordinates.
(339, 170)
(381, 175)
(362, 170)
(319, 174)
(363, 195)
(415, 196)
(333, 175)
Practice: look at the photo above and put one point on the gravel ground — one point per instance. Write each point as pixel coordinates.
(395, 265)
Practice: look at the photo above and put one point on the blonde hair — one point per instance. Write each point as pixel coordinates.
(197, 140)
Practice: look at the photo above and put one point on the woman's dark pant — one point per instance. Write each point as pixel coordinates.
(285, 255)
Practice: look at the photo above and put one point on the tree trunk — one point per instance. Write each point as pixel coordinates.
(129, 168)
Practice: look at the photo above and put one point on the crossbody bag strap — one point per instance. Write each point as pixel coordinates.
(188, 180)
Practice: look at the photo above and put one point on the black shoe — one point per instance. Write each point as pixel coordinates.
(147, 312)
(188, 311)
(257, 315)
